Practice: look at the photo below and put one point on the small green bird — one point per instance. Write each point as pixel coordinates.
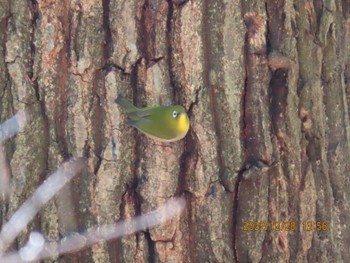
(162, 123)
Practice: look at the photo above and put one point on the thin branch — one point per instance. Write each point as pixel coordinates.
(8, 129)
(12, 126)
(36, 247)
(95, 234)
(32, 205)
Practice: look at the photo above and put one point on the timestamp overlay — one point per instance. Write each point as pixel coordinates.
(285, 226)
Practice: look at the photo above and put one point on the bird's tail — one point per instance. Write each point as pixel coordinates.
(125, 104)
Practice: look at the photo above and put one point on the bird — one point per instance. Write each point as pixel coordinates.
(161, 123)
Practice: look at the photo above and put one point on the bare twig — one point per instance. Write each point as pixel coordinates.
(36, 247)
(32, 205)
(12, 126)
(8, 129)
(105, 232)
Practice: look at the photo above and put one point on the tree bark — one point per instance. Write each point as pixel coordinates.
(266, 87)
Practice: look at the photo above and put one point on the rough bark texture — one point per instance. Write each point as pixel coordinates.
(266, 86)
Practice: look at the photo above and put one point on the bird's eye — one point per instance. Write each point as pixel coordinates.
(174, 114)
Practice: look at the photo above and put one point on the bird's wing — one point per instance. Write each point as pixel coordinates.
(141, 113)
(136, 123)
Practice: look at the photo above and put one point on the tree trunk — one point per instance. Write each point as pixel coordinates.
(266, 87)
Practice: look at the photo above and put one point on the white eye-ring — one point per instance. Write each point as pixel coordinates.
(174, 114)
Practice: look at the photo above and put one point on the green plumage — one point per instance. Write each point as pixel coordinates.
(125, 104)
(164, 123)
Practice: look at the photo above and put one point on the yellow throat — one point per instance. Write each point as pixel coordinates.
(183, 125)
